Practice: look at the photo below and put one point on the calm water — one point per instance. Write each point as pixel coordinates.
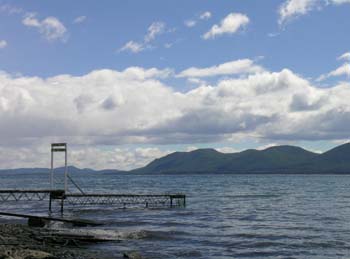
(228, 216)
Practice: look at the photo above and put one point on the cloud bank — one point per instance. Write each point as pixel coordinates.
(109, 108)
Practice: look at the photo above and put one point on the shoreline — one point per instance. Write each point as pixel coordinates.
(19, 241)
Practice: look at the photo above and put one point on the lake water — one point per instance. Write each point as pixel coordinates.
(227, 216)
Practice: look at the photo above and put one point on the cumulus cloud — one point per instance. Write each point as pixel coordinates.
(3, 44)
(80, 156)
(242, 66)
(229, 25)
(134, 106)
(50, 28)
(80, 19)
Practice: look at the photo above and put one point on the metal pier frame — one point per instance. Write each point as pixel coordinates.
(84, 199)
(117, 200)
(128, 200)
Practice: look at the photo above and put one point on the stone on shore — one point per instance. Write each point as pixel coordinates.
(132, 255)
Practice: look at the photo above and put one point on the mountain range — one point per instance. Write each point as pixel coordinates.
(277, 159)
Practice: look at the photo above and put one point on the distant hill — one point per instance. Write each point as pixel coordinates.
(278, 159)
(336, 160)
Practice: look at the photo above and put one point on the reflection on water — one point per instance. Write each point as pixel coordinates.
(227, 216)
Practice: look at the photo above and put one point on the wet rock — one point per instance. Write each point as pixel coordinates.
(5, 256)
(36, 222)
(132, 255)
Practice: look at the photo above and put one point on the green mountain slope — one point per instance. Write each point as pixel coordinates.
(281, 158)
(336, 160)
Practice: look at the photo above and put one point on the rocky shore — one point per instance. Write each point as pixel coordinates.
(22, 242)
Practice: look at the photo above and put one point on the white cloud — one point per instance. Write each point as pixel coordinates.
(273, 34)
(80, 19)
(196, 81)
(116, 158)
(339, 2)
(31, 20)
(51, 28)
(107, 108)
(193, 22)
(227, 150)
(229, 25)
(3, 44)
(155, 29)
(343, 70)
(190, 23)
(241, 66)
(168, 45)
(266, 146)
(191, 148)
(10, 9)
(345, 56)
(133, 47)
(291, 9)
(79, 156)
(205, 16)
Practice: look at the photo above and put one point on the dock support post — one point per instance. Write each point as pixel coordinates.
(51, 171)
(62, 206)
(65, 171)
(50, 204)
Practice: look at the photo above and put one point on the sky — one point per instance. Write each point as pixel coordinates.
(125, 82)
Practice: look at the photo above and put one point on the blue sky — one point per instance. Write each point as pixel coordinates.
(42, 40)
(307, 45)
